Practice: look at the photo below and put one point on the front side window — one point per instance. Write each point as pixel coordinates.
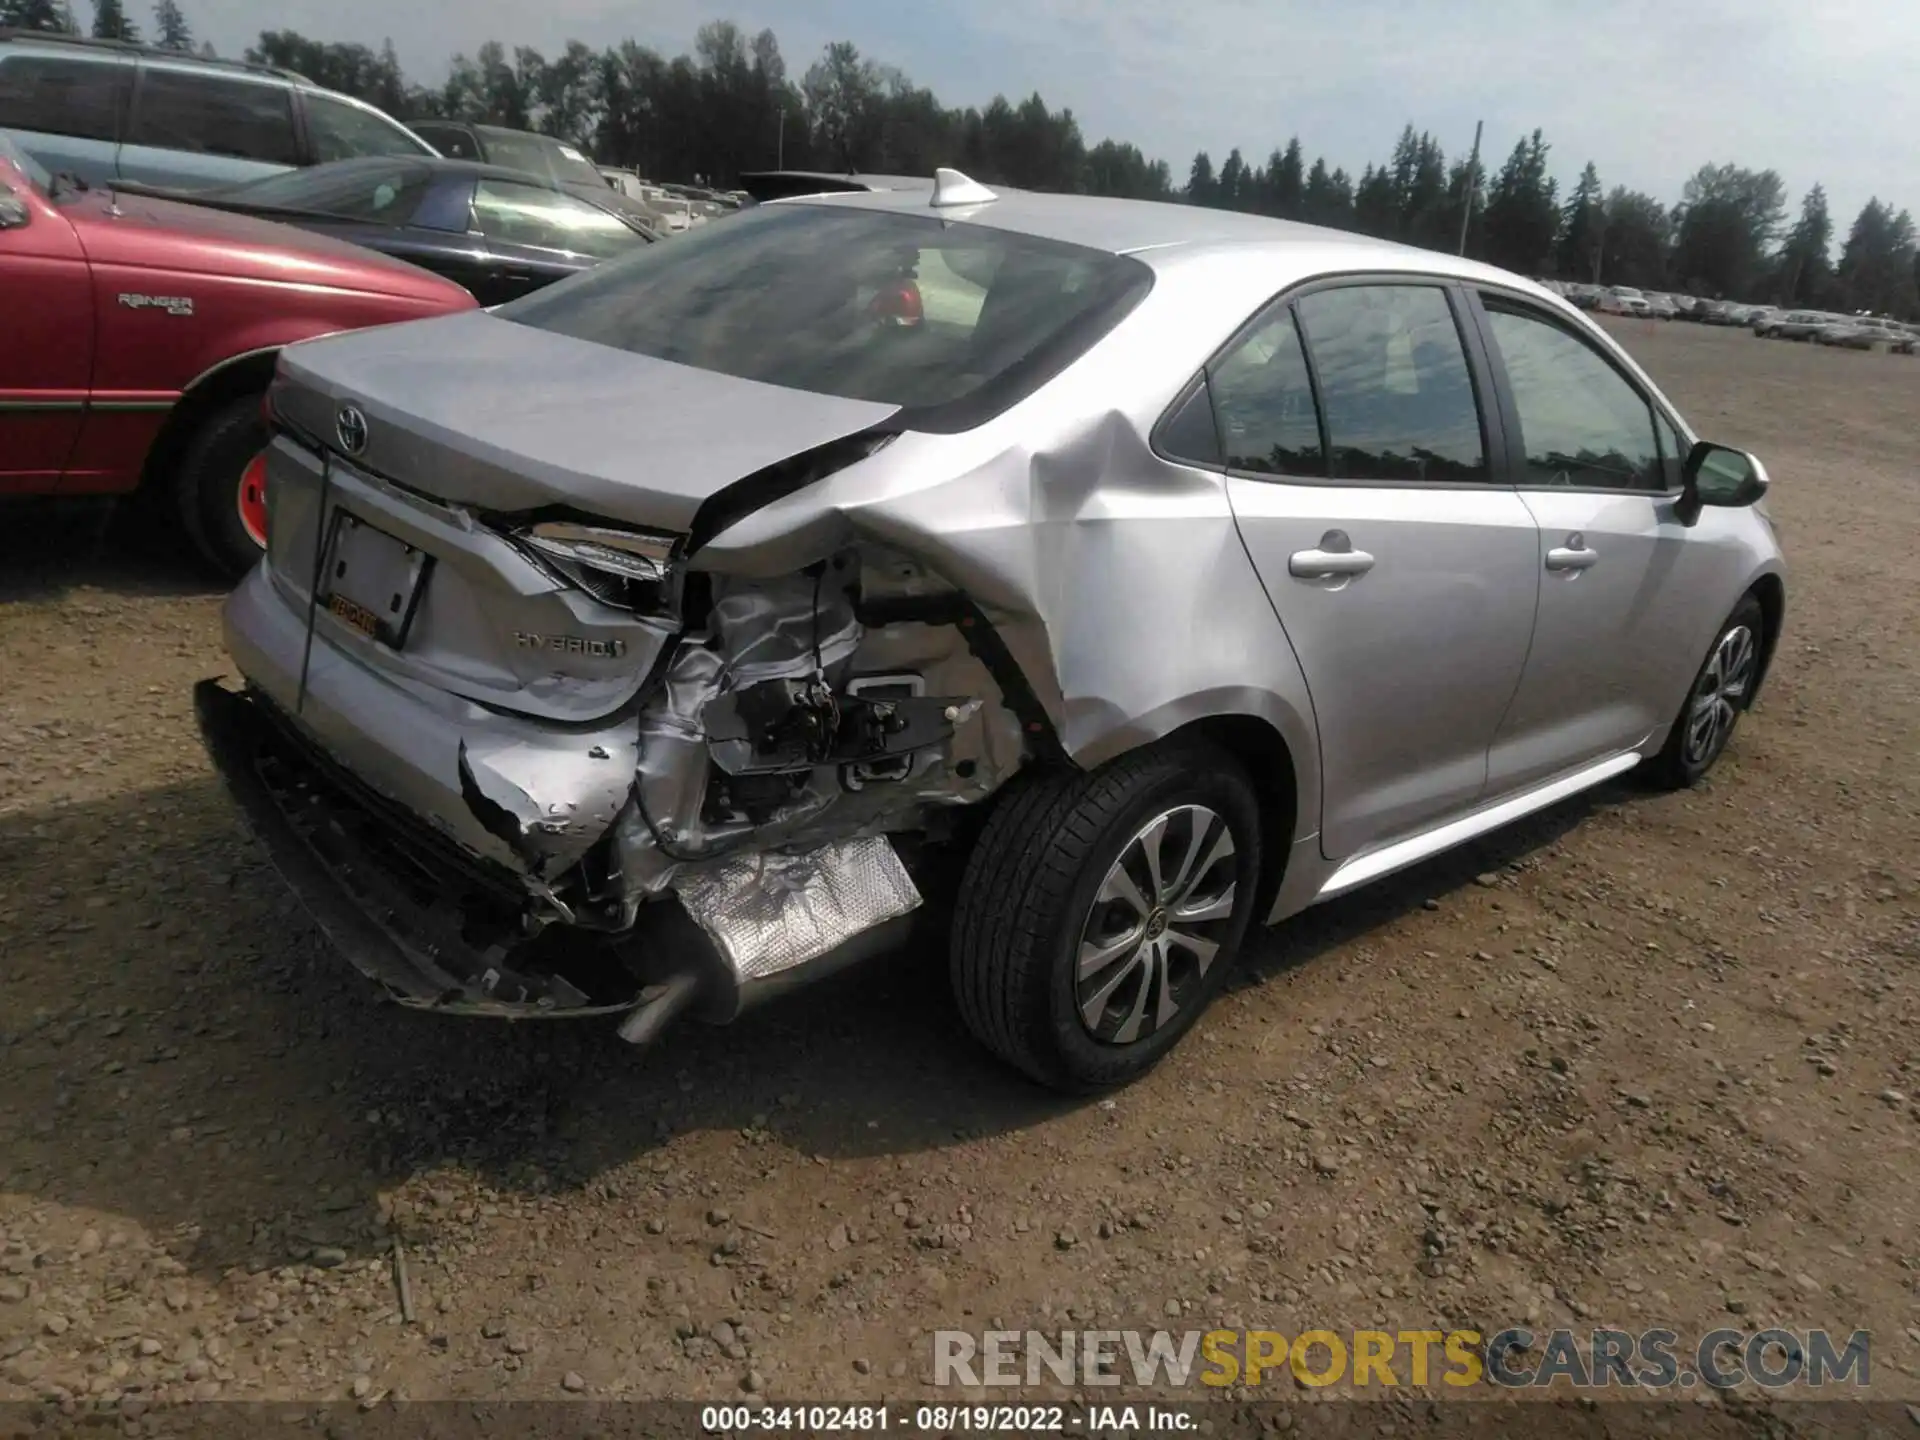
(1582, 423)
(1394, 385)
(340, 131)
(80, 98)
(1264, 401)
(949, 320)
(214, 115)
(517, 214)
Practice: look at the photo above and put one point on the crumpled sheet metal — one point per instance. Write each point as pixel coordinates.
(769, 911)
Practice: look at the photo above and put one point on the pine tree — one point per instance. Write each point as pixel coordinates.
(170, 27)
(47, 15)
(110, 21)
(1583, 230)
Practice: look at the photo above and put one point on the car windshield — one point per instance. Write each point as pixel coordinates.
(35, 172)
(371, 189)
(947, 320)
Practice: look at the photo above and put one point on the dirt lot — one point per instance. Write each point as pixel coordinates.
(1645, 1061)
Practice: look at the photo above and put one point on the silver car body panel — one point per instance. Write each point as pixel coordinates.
(1455, 686)
(503, 417)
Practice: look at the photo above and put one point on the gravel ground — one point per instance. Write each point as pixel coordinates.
(1646, 1060)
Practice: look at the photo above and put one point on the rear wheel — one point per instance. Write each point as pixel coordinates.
(1721, 692)
(220, 487)
(1100, 913)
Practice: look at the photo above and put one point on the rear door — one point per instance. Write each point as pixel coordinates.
(1626, 591)
(1404, 574)
(46, 357)
(193, 130)
(65, 111)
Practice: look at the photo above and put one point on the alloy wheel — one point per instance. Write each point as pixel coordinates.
(1156, 925)
(251, 499)
(1720, 695)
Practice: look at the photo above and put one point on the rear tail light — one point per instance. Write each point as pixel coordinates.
(628, 568)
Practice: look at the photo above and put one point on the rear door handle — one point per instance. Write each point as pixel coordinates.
(1574, 555)
(1328, 564)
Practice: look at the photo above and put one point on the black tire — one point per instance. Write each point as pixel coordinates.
(1028, 897)
(1682, 760)
(206, 487)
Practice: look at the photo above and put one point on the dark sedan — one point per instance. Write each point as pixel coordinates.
(499, 232)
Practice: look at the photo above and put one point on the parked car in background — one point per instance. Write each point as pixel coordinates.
(107, 112)
(1792, 324)
(499, 233)
(1152, 574)
(542, 156)
(1584, 297)
(141, 335)
(673, 215)
(1623, 300)
(1662, 307)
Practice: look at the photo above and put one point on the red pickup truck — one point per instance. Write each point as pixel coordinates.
(138, 336)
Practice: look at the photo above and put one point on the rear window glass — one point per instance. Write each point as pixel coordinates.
(379, 190)
(950, 321)
(212, 115)
(80, 98)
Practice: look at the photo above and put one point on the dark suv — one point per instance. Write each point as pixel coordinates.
(106, 112)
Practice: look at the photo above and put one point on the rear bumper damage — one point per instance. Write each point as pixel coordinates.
(439, 929)
(723, 836)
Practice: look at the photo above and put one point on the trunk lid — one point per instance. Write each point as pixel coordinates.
(467, 427)
(482, 412)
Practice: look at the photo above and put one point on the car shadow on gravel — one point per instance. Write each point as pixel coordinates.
(183, 1048)
(125, 547)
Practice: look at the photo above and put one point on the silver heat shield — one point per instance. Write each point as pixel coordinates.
(769, 912)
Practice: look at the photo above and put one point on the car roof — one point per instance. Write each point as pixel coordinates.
(1158, 231)
(156, 57)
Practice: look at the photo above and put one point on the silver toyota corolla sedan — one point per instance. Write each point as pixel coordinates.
(1117, 575)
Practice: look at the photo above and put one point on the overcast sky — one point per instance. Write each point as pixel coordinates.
(1647, 89)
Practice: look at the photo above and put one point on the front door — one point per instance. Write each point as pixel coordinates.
(1627, 598)
(46, 360)
(1404, 576)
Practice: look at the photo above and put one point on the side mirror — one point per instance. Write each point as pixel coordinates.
(1719, 475)
(14, 214)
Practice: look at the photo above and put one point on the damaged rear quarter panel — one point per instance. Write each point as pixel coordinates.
(1118, 581)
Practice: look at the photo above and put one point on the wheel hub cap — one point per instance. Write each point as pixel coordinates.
(1156, 925)
(1720, 695)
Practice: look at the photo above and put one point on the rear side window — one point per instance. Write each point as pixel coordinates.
(450, 140)
(81, 98)
(950, 321)
(1394, 385)
(1264, 401)
(338, 131)
(549, 220)
(214, 115)
(1582, 423)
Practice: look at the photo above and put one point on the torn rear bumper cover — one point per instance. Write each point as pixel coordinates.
(436, 928)
(394, 902)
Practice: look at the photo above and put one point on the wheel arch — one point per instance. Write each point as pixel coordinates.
(1771, 591)
(1263, 752)
(239, 375)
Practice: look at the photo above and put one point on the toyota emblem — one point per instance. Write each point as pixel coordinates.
(351, 426)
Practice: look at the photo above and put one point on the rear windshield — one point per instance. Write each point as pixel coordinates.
(952, 322)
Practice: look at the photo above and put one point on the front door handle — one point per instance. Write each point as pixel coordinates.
(1574, 555)
(1328, 564)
